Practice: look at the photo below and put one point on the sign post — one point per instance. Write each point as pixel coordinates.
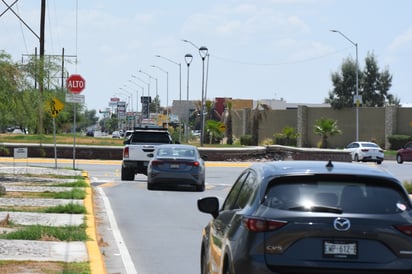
(75, 84)
(54, 107)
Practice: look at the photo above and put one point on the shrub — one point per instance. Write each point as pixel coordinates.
(398, 141)
(267, 142)
(246, 140)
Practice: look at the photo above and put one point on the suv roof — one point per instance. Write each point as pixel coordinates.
(319, 167)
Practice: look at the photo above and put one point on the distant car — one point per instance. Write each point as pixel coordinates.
(404, 154)
(17, 131)
(309, 217)
(90, 132)
(116, 134)
(365, 152)
(176, 165)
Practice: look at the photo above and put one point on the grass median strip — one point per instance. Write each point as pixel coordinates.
(70, 208)
(47, 233)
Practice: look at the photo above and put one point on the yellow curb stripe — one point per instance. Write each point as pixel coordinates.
(96, 261)
(110, 184)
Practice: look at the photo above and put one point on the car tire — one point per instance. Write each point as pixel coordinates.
(379, 162)
(201, 188)
(227, 268)
(203, 263)
(127, 174)
(356, 158)
(399, 159)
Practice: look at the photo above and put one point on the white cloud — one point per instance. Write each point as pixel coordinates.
(402, 40)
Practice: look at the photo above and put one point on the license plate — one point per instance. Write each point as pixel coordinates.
(340, 249)
(174, 165)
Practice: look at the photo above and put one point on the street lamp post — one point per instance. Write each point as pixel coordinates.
(180, 73)
(188, 60)
(150, 77)
(137, 93)
(357, 100)
(203, 51)
(167, 93)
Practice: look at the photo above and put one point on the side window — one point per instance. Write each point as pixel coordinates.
(247, 191)
(232, 197)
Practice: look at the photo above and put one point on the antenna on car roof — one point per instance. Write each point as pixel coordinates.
(329, 165)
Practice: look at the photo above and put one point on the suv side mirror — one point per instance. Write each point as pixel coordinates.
(209, 205)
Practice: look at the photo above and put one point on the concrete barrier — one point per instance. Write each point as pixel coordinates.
(274, 152)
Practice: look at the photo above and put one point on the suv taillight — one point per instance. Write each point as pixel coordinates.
(126, 152)
(262, 225)
(407, 229)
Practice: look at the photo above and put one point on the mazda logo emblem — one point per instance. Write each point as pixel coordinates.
(341, 224)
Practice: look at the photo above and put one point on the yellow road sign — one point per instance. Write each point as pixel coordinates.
(222, 128)
(54, 107)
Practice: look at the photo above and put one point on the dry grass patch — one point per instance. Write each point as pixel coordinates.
(14, 267)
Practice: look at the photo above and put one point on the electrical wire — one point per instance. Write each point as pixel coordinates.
(21, 29)
(277, 64)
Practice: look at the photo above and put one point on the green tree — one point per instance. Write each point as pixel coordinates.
(344, 83)
(214, 132)
(326, 127)
(376, 84)
(373, 85)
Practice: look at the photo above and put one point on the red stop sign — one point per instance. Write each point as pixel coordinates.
(75, 83)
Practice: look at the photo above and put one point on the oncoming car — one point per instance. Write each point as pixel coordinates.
(365, 152)
(404, 154)
(309, 217)
(176, 165)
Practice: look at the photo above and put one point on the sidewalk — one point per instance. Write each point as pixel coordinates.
(14, 179)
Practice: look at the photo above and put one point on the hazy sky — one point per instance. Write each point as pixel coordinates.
(259, 49)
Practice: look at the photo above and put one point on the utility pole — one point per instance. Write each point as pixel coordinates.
(41, 73)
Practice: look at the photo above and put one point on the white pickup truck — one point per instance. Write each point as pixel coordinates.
(138, 150)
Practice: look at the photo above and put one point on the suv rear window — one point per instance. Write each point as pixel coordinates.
(353, 197)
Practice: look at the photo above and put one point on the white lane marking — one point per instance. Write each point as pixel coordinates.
(124, 252)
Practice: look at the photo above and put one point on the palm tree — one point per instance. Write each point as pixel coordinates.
(326, 127)
(258, 114)
(214, 130)
(227, 119)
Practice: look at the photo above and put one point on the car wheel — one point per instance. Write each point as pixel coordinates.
(227, 267)
(127, 174)
(356, 158)
(201, 187)
(399, 159)
(379, 162)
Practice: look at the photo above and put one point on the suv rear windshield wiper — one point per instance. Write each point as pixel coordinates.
(317, 209)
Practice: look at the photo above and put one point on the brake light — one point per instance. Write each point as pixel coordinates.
(407, 229)
(156, 162)
(196, 163)
(262, 225)
(126, 152)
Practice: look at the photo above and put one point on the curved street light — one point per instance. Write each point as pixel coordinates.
(180, 73)
(188, 60)
(137, 93)
(357, 100)
(150, 78)
(167, 93)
